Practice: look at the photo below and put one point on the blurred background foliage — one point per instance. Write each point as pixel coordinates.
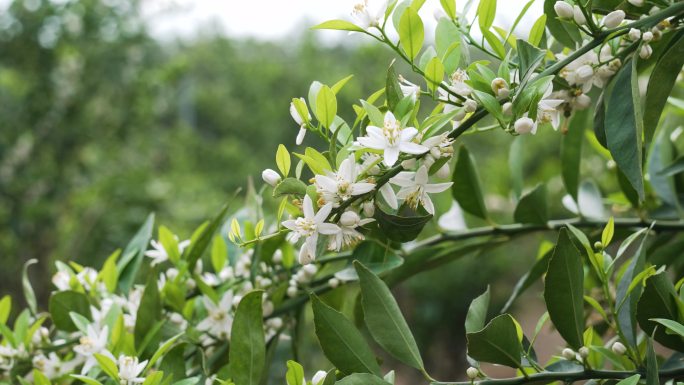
(102, 124)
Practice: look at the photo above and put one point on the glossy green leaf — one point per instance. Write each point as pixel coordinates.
(633, 380)
(532, 207)
(132, 256)
(495, 43)
(247, 346)
(434, 73)
(411, 33)
(529, 58)
(401, 228)
(623, 126)
(295, 373)
(108, 366)
(674, 168)
(466, 188)
(565, 32)
(659, 300)
(384, 319)
(564, 290)
(341, 25)
(64, 302)
(448, 44)
(326, 106)
(283, 160)
(673, 326)
(149, 311)
(392, 91)
(342, 343)
(477, 313)
(201, 242)
(497, 343)
(626, 316)
(608, 232)
(652, 376)
(362, 379)
(571, 152)
(486, 11)
(289, 186)
(537, 31)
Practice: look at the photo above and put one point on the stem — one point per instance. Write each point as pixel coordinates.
(570, 377)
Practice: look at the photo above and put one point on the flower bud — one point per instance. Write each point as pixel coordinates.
(507, 108)
(583, 352)
(563, 10)
(236, 300)
(523, 125)
(619, 349)
(654, 10)
(500, 88)
(584, 72)
(470, 105)
(267, 308)
(460, 115)
(310, 270)
(635, 34)
(598, 245)
(292, 291)
(300, 135)
(582, 101)
(271, 177)
(614, 19)
(368, 208)
(636, 3)
(472, 373)
(647, 36)
(318, 378)
(333, 282)
(578, 15)
(408, 163)
(645, 51)
(349, 219)
(444, 171)
(568, 354)
(278, 256)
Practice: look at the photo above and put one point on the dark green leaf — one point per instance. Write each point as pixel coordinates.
(626, 316)
(247, 346)
(497, 343)
(289, 186)
(477, 313)
(401, 228)
(466, 188)
(600, 122)
(384, 319)
(565, 32)
(362, 379)
(149, 311)
(532, 207)
(375, 256)
(393, 89)
(652, 377)
(571, 152)
(564, 290)
(659, 300)
(62, 303)
(529, 57)
(132, 256)
(676, 167)
(342, 343)
(197, 247)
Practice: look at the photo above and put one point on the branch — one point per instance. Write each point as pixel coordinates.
(569, 377)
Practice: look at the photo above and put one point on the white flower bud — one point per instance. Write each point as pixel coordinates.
(267, 308)
(583, 352)
(444, 171)
(310, 270)
(645, 51)
(500, 88)
(270, 176)
(636, 3)
(584, 73)
(619, 349)
(278, 256)
(333, 282)
(295, 114)
(472, 373)
(368, 208)
(470, 105)
(563, 10)
(582, 101)
(408, 163)
(300, 136)
(507, 108)
(614, 19)
(318, 378)
(524, 125)
(654, 10)
(635, 34)
(578, 15)
(568, 354)
(647, 36)
(460, 115)
(236, 300)
(292, 291)
(349, 219)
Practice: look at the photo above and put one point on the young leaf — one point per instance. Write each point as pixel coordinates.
(532, 207)
(411, 33)
(486, 11)
(497, 343)
(219, 253)
(477, 313)
(466, 188)
(283, 160)
(295, 373)
(571, 152)
(608, 231)
(197, 247)
(537, 31)
(326, 106)
(393, 93)
(28, 289)
(341, 25)
(108, 366)
(495, 43)
(342, 343)
(247, 347)
(449, 7)
(434, 73)
(384, 319)
(564, 290)
(652, 377)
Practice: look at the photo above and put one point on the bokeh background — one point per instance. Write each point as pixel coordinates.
(112, 109)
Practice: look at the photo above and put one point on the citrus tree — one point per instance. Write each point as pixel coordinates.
(358, 212)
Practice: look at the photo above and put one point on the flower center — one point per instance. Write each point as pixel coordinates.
(392, 131)
(344, 189)
(306, 227)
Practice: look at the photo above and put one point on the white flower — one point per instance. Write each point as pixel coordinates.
(159, 254)
(392, 139)
(415, 188)
(219, 320)
(270, 176)
(367, 15)
(578, 15)
(634, 34)
(408, 88)
(647, 36)
(563, 10)
(338, 187)
(458, 83)
(547, 112)
(636, 3)
(61, 280)
(613, 19)
(581, 71)
(87, 277)
(453, 219)
(296, 116)
(347, 234)
(49, 365)
(309, 226)
(646, 51)
(440, 146)
(95, 341)
(130, 369)
(300, 135)
(581, 102)
(525, 125)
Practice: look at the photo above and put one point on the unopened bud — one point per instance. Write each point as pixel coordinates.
(500, 88)
(583, 352)
(333, 282)
(568, 354)
(472, 373)
(635, 34)
(470, 105)
(300, 135)
(292, 291)
(636, 3)
(368, 208)
(524, 125)
(645, 51)
(613, 19)
(507, 108)
(647, 36)
(444, 171)
(578, 15)
(584, 72)
(349, 219)
(563, 10)
(582, 101)
(270, 176)
(619, 349)
(310, 270)
(598, 245)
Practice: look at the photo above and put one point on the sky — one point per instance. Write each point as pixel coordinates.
(273, 19)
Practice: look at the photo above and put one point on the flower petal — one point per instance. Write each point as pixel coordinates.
(328, 228)
(323, 213)
(361, 188)
(307, 207)
(391, 155)
(412, 148)
(389, 196)
(437, 187)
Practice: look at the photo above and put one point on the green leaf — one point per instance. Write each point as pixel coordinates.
(633, 380)
(28, 289)
(283, 160)
(477, 313)
(401, 228)
(497, 343)
(411, 33)
(199, 244)
(340, 84)
(434, 73)
(676, 167)
(247, 346)
(449, 7)
(661, 82)
(626, 317)
(652, 377)
(529, 57)
(362, 379)
(170, 244)
(219, 253)
(571, 152)
(607, 233)
(80, 322)
(384, 319)
(149, 311)
(295, 373)
(109, 275)
(495, 43)
(341, 25)
(108, 366)
(659, 300)
(326, 106)
(342, 343)
(64, 302)
(86, 380)
(490, 104)
(163, 349)
(133, 255)
(623, 126)
(466, 188)
(393, 93)
(377, 257)
(674, 326)
(537, 31)
(532, 207)
(565, 32)
(5, 308)
(564, 290)
(486, 11)
(448, 44)
(289, 186)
